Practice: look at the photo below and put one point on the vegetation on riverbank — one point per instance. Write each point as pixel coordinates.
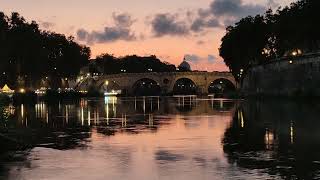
(289, 31)
(109, 64)
(30, 55)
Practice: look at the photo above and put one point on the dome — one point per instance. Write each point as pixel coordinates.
(184, 66)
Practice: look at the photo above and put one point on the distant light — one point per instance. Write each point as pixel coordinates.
(265, 51)
(55, 68)
(299, 51)
(241, 70)
(66, 79)
(22, 90)
(4, 73)
(290, 61)
(221, 82)
(107, 82)
(294, 53)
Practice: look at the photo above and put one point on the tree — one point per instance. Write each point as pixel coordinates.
(256, 40)
(30, 54)
(130, 64)
(243, 44)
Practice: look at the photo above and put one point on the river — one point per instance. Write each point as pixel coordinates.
(163, 138)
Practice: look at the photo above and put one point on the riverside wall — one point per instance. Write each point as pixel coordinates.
(290, 76)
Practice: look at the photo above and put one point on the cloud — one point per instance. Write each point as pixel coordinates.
(192, 58)
(272, 4)
(203, 13)
(174, 25)
(200, 24)
(123, 20)
(204, 62)
(82, 34)
(120, 31)
(201, 42)
(168, 24)
(219, 14)
(234, 8)
(222, 13)
(46, 24)
(212, 58)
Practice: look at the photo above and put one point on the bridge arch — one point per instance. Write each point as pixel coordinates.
(109, 86)
(85, 85)
(168, 81)
(221, 86)
(146, 87)
(184, 86)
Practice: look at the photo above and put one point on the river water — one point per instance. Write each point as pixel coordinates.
(160, 138)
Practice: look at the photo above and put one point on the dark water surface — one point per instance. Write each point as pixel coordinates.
(178, 138)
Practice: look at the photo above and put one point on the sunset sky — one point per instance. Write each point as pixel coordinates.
(170, 29)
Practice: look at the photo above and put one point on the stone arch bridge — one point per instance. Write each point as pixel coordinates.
(165, 80)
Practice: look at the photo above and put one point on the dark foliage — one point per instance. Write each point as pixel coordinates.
(28, 54)
(256, 40)
(108, 64)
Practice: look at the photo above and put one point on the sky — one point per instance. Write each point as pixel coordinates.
(170, 29)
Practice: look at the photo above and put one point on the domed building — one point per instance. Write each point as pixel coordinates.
(184, 66)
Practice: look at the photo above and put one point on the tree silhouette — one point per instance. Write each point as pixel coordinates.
(108, 64)
(256, 40)
(30, 54)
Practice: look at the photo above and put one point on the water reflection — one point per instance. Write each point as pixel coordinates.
(279, 137)
(181, 137)
(111, 112)
(114, 129)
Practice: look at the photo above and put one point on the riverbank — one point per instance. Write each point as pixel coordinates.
(287, 77)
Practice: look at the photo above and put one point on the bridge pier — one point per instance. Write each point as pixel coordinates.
(203, 90)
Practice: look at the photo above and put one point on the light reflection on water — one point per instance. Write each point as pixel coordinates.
(162, 138)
